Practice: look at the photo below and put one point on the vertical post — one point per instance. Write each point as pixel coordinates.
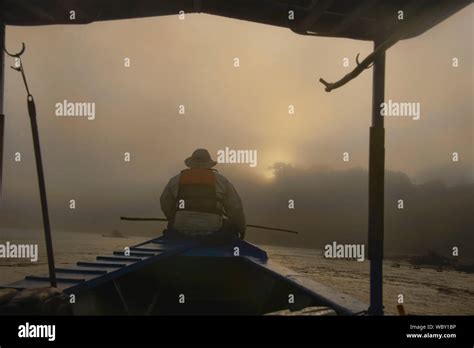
(376, 187)
(2, 83)
(42, 189)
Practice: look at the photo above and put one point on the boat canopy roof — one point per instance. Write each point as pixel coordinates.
(355, 19)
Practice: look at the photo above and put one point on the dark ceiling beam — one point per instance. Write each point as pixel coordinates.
(417, 9)
(81, 14)
(197, 6)
(351, 18)
(38, 10)
(340, 14)
(317, 10)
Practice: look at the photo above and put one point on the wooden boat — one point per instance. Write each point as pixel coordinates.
(188, 278)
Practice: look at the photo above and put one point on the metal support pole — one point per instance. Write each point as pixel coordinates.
(2, 86)
(42, 189)
(376, 187)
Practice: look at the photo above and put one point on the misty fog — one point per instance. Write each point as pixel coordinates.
(300, 156)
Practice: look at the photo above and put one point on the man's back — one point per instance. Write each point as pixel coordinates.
(196, 200)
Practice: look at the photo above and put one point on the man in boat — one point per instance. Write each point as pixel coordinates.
(201, 203)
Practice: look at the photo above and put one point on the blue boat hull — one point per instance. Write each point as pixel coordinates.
(162, 277)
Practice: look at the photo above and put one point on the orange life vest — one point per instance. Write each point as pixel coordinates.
(197, 191)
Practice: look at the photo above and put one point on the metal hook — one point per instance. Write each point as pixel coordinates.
(16, 55)
(19, 68)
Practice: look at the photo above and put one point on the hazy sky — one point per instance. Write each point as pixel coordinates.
(190, 62)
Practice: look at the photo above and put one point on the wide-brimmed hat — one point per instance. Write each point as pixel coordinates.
(200, 159)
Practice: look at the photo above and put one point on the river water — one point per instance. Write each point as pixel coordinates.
(424, 290)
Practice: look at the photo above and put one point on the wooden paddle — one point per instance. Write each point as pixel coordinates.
(126, 218)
